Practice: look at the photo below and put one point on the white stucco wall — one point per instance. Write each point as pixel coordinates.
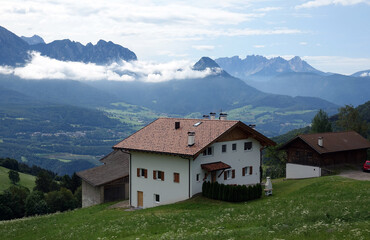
(296, 171)
(168, 190)
(236, 159)
(91, 195)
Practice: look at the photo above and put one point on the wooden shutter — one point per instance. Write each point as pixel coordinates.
(154, 174)
(162, 177)
(243, 170)
(145, 173)
(233, 172)
(250, 170)
(225, 175)
(138, 172)
(176, 177)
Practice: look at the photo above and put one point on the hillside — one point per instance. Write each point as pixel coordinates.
(320, 208)
(27, 180)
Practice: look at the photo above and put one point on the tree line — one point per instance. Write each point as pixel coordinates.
(52, 193)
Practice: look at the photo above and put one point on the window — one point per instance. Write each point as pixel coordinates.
(176, 177)
(234, 147)
(229, 174)
(248, 146)
(247, 171)
(158, 175)
(156, 198)
(224, 147)
(142, 172)
(208, 151)
(198, 177)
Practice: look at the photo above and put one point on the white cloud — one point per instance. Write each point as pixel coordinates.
(41, 67)
(320, 3)
(203, 47)
(303, 43)
(267, 9)
(338, 64)
(258, 46)
(365, 74)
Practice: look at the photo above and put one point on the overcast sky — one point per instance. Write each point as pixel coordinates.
(332, 35)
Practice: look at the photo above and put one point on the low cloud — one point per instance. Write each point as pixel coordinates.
(203, 47)
(268, 9)
(365, 74)
(41, 67)
(321, 3)
(258, 46)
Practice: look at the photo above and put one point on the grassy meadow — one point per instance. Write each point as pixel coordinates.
(25, 180)
(323, 208)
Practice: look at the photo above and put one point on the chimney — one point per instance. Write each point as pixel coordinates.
(177, 125)
(223, 116)
(191, 138)
(213, 115)
(252, 126)
(205, 116)
(320, 141)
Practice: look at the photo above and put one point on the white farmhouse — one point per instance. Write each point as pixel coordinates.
(171, 158)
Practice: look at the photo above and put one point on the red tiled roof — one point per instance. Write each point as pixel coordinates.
(161, 136)
(215, 166)
(333, 141)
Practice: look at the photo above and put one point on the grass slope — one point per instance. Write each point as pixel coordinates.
(27, 181)
(322, 208)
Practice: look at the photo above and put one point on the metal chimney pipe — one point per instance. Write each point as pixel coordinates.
(213, 115)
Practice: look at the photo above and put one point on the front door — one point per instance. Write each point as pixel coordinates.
(213, 176)
(139, 199)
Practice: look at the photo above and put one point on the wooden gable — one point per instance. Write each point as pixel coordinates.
(235, 134)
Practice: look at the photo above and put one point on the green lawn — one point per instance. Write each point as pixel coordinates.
(26, 180)
(322, 208)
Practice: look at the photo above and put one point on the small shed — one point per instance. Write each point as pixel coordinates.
(307, 154)
(108, 182)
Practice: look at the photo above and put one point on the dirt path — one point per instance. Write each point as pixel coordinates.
(356, 174)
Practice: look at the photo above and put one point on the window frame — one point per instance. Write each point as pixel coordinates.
(155, 198)
(158, 175)
(142, 172)
(207, 151)
(224, 148)
(248, 149)
(234, 145)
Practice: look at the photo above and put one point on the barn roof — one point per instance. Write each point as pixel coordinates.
(161, 136)
(116, 166)
(332, 141)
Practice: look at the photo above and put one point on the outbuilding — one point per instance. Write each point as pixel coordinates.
(108, 182)
(308, 154)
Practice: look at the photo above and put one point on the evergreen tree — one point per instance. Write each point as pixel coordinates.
(321, 123)
(13, 176)
(350, 119)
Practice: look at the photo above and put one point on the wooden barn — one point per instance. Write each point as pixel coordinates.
(108, 182)
(307, 154)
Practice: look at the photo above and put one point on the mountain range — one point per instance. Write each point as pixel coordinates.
(15, 50)
(296, 77)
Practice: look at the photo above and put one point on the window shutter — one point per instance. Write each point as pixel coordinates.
(243, 171)
(145, 173)
(154, 174)
(233, 172)
(138, 172)
(162, 176)
(225, 175)
(250, 170)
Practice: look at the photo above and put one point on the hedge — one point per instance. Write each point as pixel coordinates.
(231, 193)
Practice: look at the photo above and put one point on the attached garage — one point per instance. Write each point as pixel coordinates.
(108, 182)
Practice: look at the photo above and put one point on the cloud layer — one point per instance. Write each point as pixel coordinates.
(41, 67)
(321, 3)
